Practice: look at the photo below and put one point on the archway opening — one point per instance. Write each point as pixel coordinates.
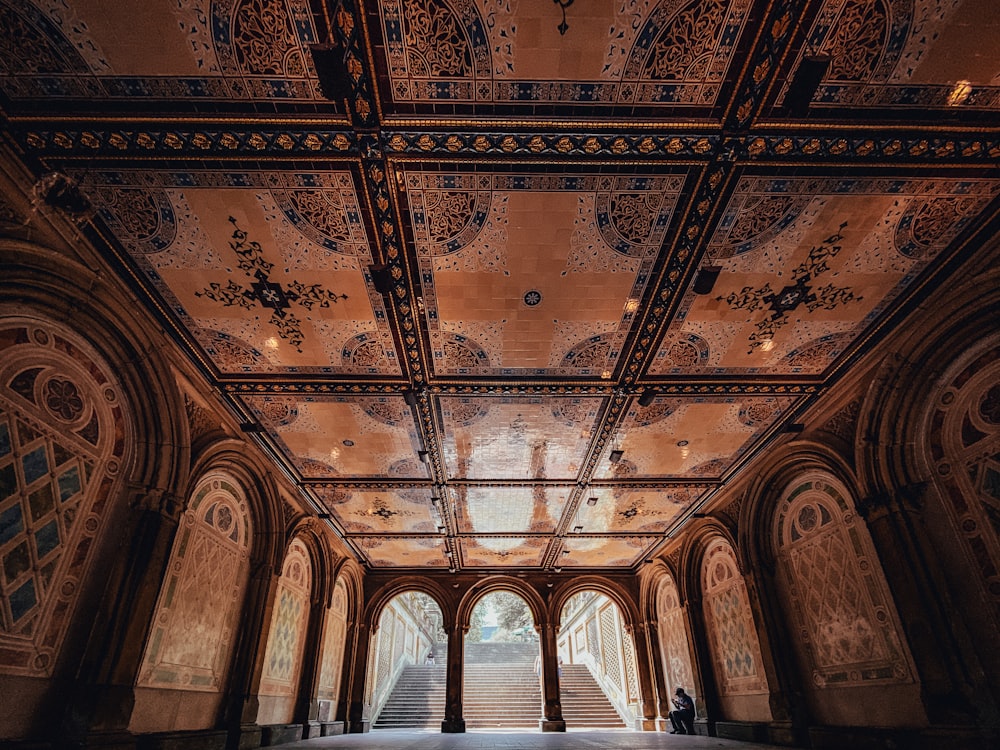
(501, 685)
(598, 682)
(406, 674)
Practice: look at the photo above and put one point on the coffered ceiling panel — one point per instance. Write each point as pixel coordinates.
(403, 551)
(391, 511)
(641, 53)
(694, 437)
(494, 552)
(517, 437)
(343, 436)
(505, 510)
(585, 551)
(538, 274)
(807, 264)
(236, 50)
(632, 510)
(908, 53)
(265, 269)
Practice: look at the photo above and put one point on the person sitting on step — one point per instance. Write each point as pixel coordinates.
(682, 717)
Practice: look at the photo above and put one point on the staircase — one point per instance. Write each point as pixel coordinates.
(417, 700)
(501, 692)
(584, 704)
(501, 687)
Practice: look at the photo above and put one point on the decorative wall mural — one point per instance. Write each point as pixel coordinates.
(732, 635)
(964, 447)
(62, 444)
(673, 632)
(848, 630)
(287, 630)
(334, 642)
(198, 609)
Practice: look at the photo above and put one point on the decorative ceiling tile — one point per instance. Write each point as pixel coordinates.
(404, 510)
(403, 551)
(648, 53)
(266, 269)
(603, 509)
(517, 438)
(604, 552)
(807, 265)
(494, 552)
(698, 438)
(908, 53)
(343, 436)
(535, 274)
(510, 510)
(235, 49)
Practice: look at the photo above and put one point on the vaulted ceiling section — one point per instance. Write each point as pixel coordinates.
(434, 264)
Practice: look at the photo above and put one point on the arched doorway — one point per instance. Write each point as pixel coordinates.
(502, 662)
(598, 681)
(406, 677)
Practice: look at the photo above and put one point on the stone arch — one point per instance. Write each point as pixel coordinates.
(499, 583)
(389, 591)
(734, 648)
(196, 620)
(845, 628)
(286, 636)
(623, 599)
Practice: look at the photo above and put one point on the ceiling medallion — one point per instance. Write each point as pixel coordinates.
(532, 297)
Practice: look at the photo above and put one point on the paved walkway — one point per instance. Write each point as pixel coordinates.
(483, 740)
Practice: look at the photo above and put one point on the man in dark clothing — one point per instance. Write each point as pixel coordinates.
(682, 717)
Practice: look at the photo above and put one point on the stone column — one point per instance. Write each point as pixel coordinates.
(454, 723)
(552, 718)
(358, 709)
(307, 705)
(935, 636)
(643, 668)
(105, 696)
(651, 633)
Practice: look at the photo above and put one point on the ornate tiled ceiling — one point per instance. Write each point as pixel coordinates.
(436, 296)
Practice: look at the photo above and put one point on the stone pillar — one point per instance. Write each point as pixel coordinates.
(650, 632)
(552, 718)
(454, 723)
(105, 697)
(307, 705)
(359, 718)
(647, 695)
(935, 636)
(243, 702)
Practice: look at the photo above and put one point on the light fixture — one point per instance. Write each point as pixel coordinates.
(647, 397)
(381, 279)
(422, 455)
(577, 529)
(804, 83)
(705, 279)
(616, 455)
(591, 501)
(410, 397)
(961, 92)
(441, 529)
(557, 570)
(331, 70)
(435, 499)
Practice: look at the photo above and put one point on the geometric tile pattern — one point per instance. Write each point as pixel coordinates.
(286, 636)
(847, 630)
(673, 636)
(735, 648)
(195, 615)
(61, 445)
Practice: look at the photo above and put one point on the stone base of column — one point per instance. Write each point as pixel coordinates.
(552, 725)
(359, 727)
(663, 725)
(453, 726)
(646, 725)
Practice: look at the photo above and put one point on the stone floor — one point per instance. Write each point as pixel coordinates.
(484, 740)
